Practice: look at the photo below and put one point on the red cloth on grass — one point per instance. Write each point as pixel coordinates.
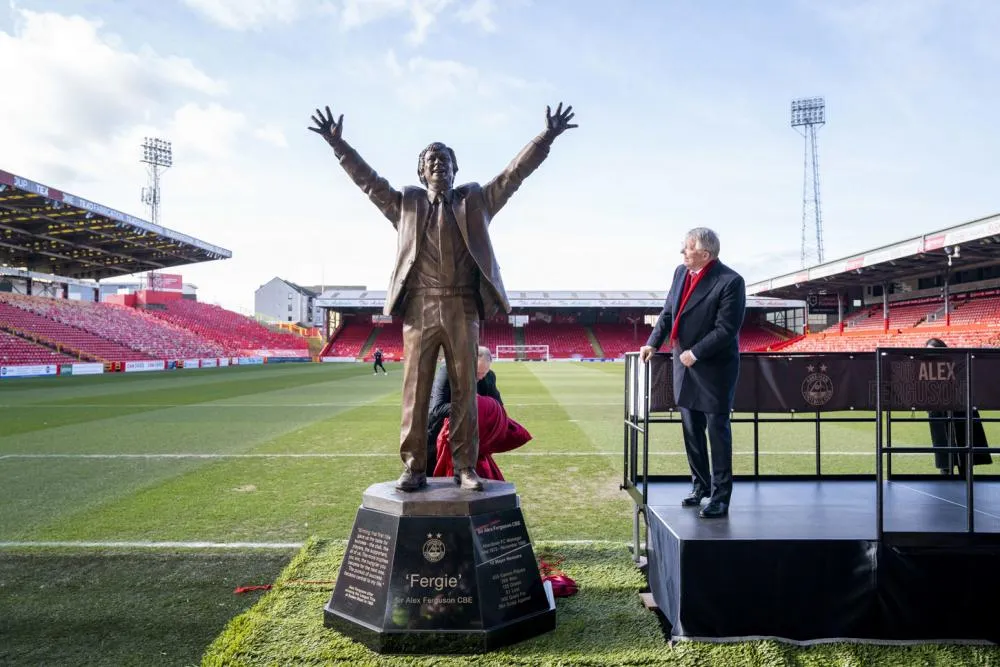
(497, 433)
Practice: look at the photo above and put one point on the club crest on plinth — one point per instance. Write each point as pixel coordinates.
(433, 548)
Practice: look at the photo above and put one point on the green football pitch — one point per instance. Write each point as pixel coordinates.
(132, 505)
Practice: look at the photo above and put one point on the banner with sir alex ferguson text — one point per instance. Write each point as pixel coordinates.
(912, 379)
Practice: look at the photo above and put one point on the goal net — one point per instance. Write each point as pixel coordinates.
(522, 352)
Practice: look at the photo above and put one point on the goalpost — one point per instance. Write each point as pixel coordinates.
(522, 352)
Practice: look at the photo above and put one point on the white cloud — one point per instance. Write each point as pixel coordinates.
(423, 14)
(206, 131)
(271, 134)
(420, 83)
(249, 14)
(85, 90)
(423, 81)
(480, 12)
(898, 35)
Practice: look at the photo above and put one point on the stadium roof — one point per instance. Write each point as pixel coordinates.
(44, 229)
(915, 257)
(341, 298)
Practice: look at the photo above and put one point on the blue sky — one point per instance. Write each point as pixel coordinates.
(683, 108)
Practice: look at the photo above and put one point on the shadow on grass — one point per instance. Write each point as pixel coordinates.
(117, 608)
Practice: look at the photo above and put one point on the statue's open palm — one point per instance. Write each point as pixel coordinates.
(326, 127)
(559, 122)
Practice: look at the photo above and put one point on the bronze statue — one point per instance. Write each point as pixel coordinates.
(446, 279)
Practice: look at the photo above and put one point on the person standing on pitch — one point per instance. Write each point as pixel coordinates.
(378, 362)
(446, 279)
(701, 319)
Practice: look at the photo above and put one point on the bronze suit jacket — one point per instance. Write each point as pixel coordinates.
(473, 205)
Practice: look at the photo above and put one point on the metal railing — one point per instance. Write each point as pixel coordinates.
(873, 409)
(956, 390)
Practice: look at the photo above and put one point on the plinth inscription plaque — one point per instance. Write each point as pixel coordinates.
(464, 581)
(507, 573)
(363, 584)
(434, 588)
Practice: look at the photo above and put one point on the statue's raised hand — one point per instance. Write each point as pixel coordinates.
(326, 127)
(558, 122)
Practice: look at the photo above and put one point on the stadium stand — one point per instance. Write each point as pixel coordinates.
(617, 339)
(902, 315)
(756, 338)
(982, 309)
(18, 316)
(348, 340)
(835, 342)
(232, 332)
(565, 340)
(974, 322)
(16, 350)
(493, 333)
(125, 326)
(389, 339)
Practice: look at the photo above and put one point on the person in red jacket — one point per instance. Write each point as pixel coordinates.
(497, 433)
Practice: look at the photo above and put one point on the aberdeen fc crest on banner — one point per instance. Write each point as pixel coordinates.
(817, 388)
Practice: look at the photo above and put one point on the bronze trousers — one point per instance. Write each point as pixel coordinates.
(430, 324)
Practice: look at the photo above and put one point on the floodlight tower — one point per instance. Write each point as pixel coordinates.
(158, 155)
(808, 115)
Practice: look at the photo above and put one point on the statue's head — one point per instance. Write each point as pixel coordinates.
(437, 167)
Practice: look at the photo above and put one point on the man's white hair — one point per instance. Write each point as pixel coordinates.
(705, 239)
(484, 353)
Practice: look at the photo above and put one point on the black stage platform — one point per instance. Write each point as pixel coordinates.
(800, 560)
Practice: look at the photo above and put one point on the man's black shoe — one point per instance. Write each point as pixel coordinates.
(694, 499)
(714, 510)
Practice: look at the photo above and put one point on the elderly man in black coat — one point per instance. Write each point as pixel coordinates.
(701, 320)
(440, 405)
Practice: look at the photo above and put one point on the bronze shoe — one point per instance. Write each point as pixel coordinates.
(411, 481)
(468, 479)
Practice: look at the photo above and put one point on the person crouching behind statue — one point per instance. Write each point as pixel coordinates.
(497, 433)
(948, 430)
(440, 408)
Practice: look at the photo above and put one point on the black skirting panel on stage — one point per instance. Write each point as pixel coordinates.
(800, 560)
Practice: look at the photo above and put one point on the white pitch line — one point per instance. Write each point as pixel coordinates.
(153, 545)
(582, 542)
(370, 455)
(196, 456)
(118, 406)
